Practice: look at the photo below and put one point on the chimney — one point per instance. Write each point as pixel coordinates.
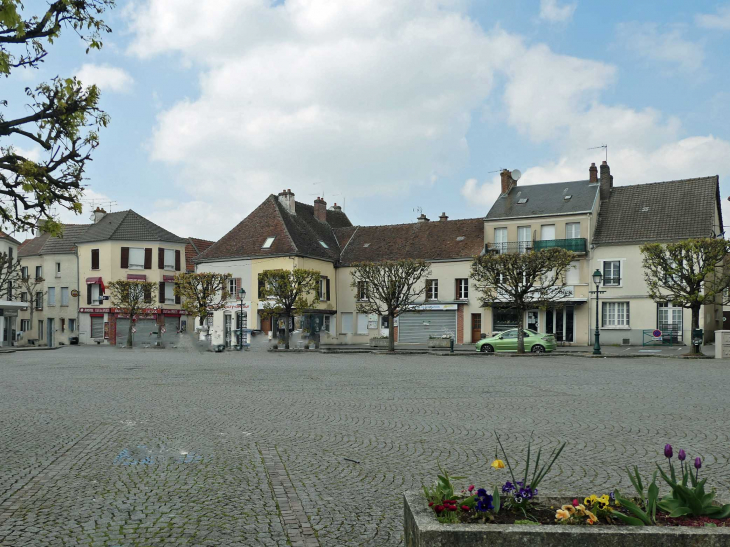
(286, 198)
(443, 217)
(422, 218)
(593, 173)
(606, 181)
(98, 214)
(507, 181)
(320, 209)
(337, 208)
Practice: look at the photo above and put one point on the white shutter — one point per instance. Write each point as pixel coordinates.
(347, 323)
(362, 323)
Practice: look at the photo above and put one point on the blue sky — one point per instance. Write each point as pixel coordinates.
(392, 105)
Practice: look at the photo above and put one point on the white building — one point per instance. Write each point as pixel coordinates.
(8, 309)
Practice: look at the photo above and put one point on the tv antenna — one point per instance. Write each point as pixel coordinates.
(105, 204)
(604, 146)
(514, 173)
(418, 209)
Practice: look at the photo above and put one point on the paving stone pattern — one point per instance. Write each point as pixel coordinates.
(103, 446)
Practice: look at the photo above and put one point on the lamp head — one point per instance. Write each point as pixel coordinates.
(597, 276)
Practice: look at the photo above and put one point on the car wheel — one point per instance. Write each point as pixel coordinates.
(537, 348)
(486, 348)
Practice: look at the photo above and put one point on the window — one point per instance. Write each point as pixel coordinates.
(347, 323)
(572, 274)
(268, 243)
(327, 323)
(362, 323)
(324, 288)
(40, 329)
(462, 289)
(94, 292)
(524, 239)
(72, 325)
(547, 232)
(64, 296)
(500, 239)
(669, 318)
(58, 269)
(169, 259)
(432, 289)
(24, 325)
(616, 314)
(24, 297)
(38, 272)
(612, 273)
(169, 293)
(362, 291)
(51, 296)
(94, 259)
(572, 230)
(136, 258)
(24, 272)
(232, 287)
(39, 300)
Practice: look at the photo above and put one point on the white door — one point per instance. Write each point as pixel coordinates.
(547, 232)
(523, 237)
(362, 323)
(500, 239)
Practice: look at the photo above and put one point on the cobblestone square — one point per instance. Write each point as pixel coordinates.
(103, 446)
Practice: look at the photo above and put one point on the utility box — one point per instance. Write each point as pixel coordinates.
(722, 344)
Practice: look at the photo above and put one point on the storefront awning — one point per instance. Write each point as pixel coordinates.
(136, 277)
(93, 281)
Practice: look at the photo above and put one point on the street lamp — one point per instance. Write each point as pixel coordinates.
(242, 295)
(597, 277)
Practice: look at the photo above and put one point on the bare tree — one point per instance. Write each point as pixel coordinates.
(30, 285)
(202, 293)
(9, 275)
(389, 288)
(131, 297)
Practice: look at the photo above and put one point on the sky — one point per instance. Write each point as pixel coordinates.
(392, 107)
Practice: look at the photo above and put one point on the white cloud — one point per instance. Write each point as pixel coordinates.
(647, 41)
(106, 77)
(551, 10)
(719, 20)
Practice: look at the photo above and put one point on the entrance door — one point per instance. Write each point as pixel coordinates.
(476, 327)
(532, 320)
(227, 330)
(50, 333)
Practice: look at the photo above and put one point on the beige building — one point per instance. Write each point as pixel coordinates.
(8, 308)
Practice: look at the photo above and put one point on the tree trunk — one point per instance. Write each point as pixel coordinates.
(129, 332)
(695, 325)
(286, 331)
(201, 319)
(520, 332)
(391, 332)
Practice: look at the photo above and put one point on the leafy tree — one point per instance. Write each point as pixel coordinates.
(62, 116)
(9, 275)
(687, 273)
(389, 288)
(288, 293)
(202, 293)
(131, 297)
(521, 280)
(30, 286)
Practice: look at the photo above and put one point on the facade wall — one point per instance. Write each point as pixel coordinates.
(9, 322)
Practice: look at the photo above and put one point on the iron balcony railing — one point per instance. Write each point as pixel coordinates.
(577, 245)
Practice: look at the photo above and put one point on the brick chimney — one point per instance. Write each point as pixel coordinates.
(507, 181)
(337, 208)
(593, 173)
(320, 209)
(98, 214)
(443, 217)
(286, 198)
(606, 181)
(422, 218)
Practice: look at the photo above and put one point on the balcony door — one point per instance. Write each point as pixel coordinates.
(500, 240)
(524, 238)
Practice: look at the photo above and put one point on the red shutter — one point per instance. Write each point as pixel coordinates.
(162, 292)
(161, 258)
(125, 257)
(238, 287)
(177, 261)
(328, 289)
(148, 258)
(94, 259)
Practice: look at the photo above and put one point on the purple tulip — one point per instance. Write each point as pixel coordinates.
(698, 462)
(668, 452)
(682, 455)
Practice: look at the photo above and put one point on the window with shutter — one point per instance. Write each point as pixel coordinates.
(161, 258)
(148, 258)
(177, 260)
(94, 259)
(162, 292)
(125, 257)
(238, 287)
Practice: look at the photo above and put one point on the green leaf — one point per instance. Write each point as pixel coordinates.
(633, 508)
(651, 503)
(632, 521)
(496, 501)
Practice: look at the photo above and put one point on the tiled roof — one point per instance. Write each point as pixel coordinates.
(660, 211)
(545, 200)
(437, 240)
(45, 244)
(193, 248)
(294, 234)
(11, 239)
(128, 226)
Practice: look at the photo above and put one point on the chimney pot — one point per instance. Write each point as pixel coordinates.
(423, 218)
(443, 217)
(507, 181)
(606, 181)
(593, 173)
(286, 198)
(320, 209)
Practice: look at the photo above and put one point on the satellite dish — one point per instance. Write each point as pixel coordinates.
(516, 174)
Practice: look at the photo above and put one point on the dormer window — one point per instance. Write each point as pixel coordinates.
(268, 243)
(323, 244)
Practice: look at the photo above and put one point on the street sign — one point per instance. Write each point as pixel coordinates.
(657, 333)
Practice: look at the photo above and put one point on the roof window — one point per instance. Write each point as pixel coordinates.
(323, 244)
(460, 238)
(566, 198)
(366, 245)
(268, 243)
(645, 209)
(522, 201)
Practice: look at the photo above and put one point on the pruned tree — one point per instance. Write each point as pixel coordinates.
(522, 280)
(62, 116)
(9, 275)
(202, 293)
(689, 273)
(30, 286)
(389, 288)
(288, 293)
(131, 297)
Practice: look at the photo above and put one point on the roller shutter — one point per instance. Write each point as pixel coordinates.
(97, 328)
(144, 334)
(416, 327)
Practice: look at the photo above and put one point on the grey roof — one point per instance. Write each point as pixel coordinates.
(128, 226)
(660, 211)
(545, 200)
(45, 244)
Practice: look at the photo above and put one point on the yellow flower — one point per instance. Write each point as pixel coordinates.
(498, 464)
(590, 500)
(561, 514)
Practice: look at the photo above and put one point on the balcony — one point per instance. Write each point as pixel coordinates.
(576, 245)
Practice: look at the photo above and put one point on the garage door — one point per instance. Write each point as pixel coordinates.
(144, 334)
(97, 327)
(416, 327)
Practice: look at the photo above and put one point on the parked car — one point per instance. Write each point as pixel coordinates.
(536, 342)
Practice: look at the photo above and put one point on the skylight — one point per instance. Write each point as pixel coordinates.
(366, 245)
(323, 244)
(269, 241)
(522, 201)
(566, 198)
(460, 238)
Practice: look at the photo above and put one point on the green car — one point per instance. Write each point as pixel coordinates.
(536, 342)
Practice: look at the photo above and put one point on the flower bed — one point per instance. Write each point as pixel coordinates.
(516, 506)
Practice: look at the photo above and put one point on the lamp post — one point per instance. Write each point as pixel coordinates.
(597, 277)
(242, 295)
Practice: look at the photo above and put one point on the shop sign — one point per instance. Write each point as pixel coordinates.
(434, 307)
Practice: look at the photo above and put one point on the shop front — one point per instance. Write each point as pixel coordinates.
(428, 320)
(111, 326)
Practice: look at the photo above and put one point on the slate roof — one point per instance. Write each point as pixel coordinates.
(545, 200)
(660, 211)
(193, 248)
(436, 240)
(294, 234)
(45, 244)
(11, 239)
(128, 226)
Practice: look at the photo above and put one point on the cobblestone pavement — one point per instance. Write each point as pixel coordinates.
(102, 446)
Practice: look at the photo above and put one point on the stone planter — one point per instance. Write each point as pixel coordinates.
(423, 530)
(439, 343)
(378, 342)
